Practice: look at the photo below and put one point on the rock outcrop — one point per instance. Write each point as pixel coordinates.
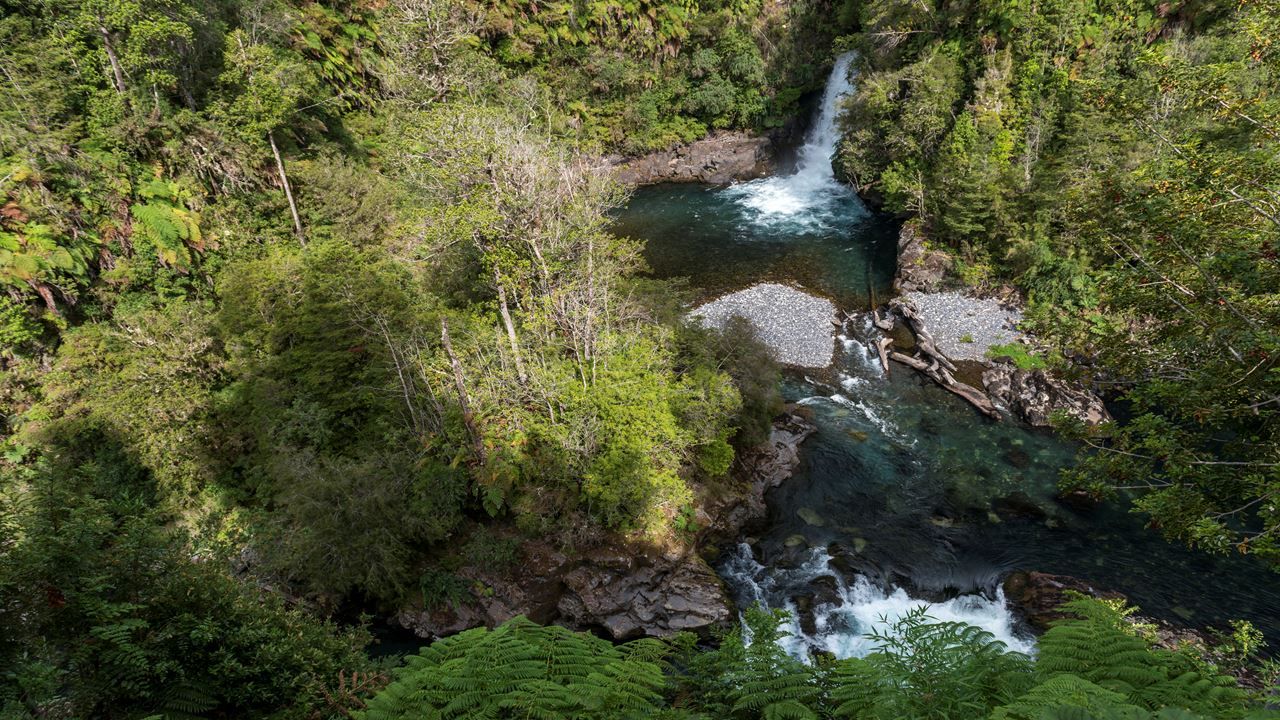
(919, 268)
(763, 469)
(719, 159)
(624, 588)
(1035, 596)
(1034, 395)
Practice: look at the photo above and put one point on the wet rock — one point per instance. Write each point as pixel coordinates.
(826, 591)
(795, 541)
(1018, 458)
(1079, 500)
(1018, 506)
(1035, 596)
(811, 517)
(719, 159)
(1034, 395)
(919, 268)
(804, 614)
(627, 590)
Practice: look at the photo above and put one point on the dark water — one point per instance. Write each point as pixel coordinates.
(721, 243)
(915, 495)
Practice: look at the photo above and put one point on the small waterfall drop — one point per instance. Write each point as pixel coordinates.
(811, 196)
(847, 609)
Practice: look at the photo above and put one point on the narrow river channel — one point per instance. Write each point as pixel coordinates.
(905, 495)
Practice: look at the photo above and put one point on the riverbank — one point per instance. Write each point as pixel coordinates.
(625, 585)
(797, 327)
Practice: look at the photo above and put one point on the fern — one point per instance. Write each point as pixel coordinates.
(928, 669)
(524, 670)
(1100, 648)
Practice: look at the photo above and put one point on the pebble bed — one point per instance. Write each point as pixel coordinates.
(950, 316)
(794, 324)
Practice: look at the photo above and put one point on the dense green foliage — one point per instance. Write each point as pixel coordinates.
(308, 290)
(1094, 665)
(1117, 161)
(638, 76)
(307, 302)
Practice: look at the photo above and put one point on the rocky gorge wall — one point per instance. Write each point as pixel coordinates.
(627, 587)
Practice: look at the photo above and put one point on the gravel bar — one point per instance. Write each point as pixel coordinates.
(795, 325)
(953, 318)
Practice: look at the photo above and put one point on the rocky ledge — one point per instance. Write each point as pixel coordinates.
(920, 269)
(719, 159)
(1035, 396)
(623, 587)
(1035, 596)
(725, 515)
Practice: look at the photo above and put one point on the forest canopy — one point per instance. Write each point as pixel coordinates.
(303, 300)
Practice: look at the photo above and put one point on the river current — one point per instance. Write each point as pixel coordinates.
(905, 496)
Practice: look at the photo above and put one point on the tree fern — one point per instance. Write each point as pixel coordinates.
(1099, 647)
(929, 669)
(522, 670)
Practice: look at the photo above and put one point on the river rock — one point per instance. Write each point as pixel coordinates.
(1035, 596)
(719, 159)
(810, 517)
(626, 589)
(796, 326)
(1034, 395)
(920, 269)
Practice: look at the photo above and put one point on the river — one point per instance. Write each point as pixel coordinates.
(904, 495)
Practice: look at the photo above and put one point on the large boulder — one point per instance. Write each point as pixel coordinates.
(719, 159)
(1036, 596)
(626, 589)
(656, 594)
(1034, 396)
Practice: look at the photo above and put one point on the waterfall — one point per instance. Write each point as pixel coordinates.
(810, 197)
(813, 167)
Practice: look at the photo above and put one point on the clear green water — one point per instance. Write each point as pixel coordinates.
(713, 237)
(918, 495)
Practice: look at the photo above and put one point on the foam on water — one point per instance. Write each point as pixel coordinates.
(857, 608)
(811, 196)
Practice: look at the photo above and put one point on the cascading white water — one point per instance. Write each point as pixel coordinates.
(862, 402)
(843, 618)
(811, 196)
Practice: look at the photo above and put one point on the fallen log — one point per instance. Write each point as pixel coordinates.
(885, 325)
(974, 396)
(882, 347)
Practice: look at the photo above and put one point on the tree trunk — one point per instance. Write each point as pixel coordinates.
(974, 396)
(468, 418)
(288, 191)
(116, 70)
(45, 294)
(511, 328)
